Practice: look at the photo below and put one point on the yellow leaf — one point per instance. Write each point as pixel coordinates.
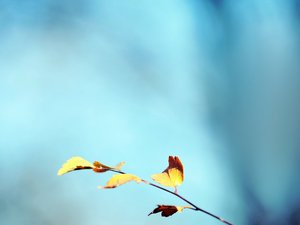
(172, 176)
(120, 179)
(181, 208)
(163, 179)
(78, 163)
(119, 166)
(75, 163)
(176, 176)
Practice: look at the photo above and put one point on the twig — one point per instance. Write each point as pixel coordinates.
(196, 208)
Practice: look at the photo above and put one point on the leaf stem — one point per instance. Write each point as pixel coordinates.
(196, 208)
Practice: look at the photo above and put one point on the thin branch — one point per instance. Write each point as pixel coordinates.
(196, 208)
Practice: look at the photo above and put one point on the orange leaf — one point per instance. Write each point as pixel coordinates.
(101, 168)
(173, 175)
(168, 210)
(120, 179)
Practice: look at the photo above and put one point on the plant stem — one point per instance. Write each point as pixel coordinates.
(196, 208)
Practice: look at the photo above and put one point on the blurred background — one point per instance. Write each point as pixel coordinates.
(215, 82)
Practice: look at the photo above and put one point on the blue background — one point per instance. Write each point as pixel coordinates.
(214, 82)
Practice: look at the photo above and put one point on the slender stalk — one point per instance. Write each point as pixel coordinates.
(196, 208)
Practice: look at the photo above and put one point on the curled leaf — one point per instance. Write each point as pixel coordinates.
(120, 179)
(101, 168)
(168, 210)
(172, 176)
(75, 163)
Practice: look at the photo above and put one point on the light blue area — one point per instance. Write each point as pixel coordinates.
(214, 82)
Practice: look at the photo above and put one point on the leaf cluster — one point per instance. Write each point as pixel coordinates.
(172, 176)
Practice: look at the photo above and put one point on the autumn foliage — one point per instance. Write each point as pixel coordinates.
(172, 176)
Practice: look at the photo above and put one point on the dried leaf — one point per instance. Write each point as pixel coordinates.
(75, 163)
(172, 176)
(168, 210)
(120, 179)
(100, 168)
(100, 165)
